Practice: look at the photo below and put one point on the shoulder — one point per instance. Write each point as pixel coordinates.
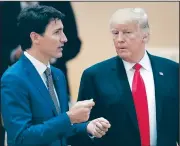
(166, 62)
(101, 67)
(14, 78)
(14, 72)
(57, 72)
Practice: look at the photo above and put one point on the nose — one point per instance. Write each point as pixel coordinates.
(120, 37)
(63, 38)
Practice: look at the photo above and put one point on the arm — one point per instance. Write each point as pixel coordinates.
(80, 128)
(17, 116)
(86, 91)
(96, 126)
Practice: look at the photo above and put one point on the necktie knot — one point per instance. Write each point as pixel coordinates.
(137, 66)
(47, 72)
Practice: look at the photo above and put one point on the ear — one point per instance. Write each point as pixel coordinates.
(35, 37)
(145, 37)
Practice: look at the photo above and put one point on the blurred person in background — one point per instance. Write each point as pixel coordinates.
(138, 93)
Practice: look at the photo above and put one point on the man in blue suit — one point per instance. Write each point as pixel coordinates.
(34, 96)
(135, 91)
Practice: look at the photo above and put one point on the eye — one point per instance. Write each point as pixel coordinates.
(115, 32)
(127, 32)
(57, 32)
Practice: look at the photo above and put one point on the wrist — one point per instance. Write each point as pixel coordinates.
(88, 128)
(70, 117)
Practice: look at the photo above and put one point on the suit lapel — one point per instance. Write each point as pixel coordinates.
(36, 80)
(160, 84)
(122, 85)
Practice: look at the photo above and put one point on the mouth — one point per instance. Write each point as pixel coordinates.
(122, 48)
(60, 47)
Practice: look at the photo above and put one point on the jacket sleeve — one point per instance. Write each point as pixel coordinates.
(86, 91)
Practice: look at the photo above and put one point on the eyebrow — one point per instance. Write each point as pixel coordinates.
(58, 29)
(124, 29)
(114, 30)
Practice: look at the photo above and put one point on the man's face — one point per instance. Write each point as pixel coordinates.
(53, 40)
(128, 40)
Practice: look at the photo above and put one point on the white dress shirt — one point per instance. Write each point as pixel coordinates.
(147, 75)
(40, 67)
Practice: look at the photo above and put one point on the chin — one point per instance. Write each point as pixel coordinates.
(58, 55)
(127, 58)
(124, 56)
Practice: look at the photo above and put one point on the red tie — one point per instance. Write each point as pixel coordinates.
(141, 106)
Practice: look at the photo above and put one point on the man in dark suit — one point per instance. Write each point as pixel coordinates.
(8, 32)
(33, 93)
(135, 91)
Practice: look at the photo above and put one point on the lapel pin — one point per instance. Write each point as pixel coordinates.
(161, 73)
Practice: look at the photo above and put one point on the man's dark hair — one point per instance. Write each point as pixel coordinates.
(35, 19)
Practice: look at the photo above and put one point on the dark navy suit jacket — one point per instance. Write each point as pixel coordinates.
(108, 85)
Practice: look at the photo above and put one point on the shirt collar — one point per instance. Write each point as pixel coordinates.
(40, 67)
(144, 62)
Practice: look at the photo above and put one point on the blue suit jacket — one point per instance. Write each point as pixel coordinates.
(108, 84)
(29, 115)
